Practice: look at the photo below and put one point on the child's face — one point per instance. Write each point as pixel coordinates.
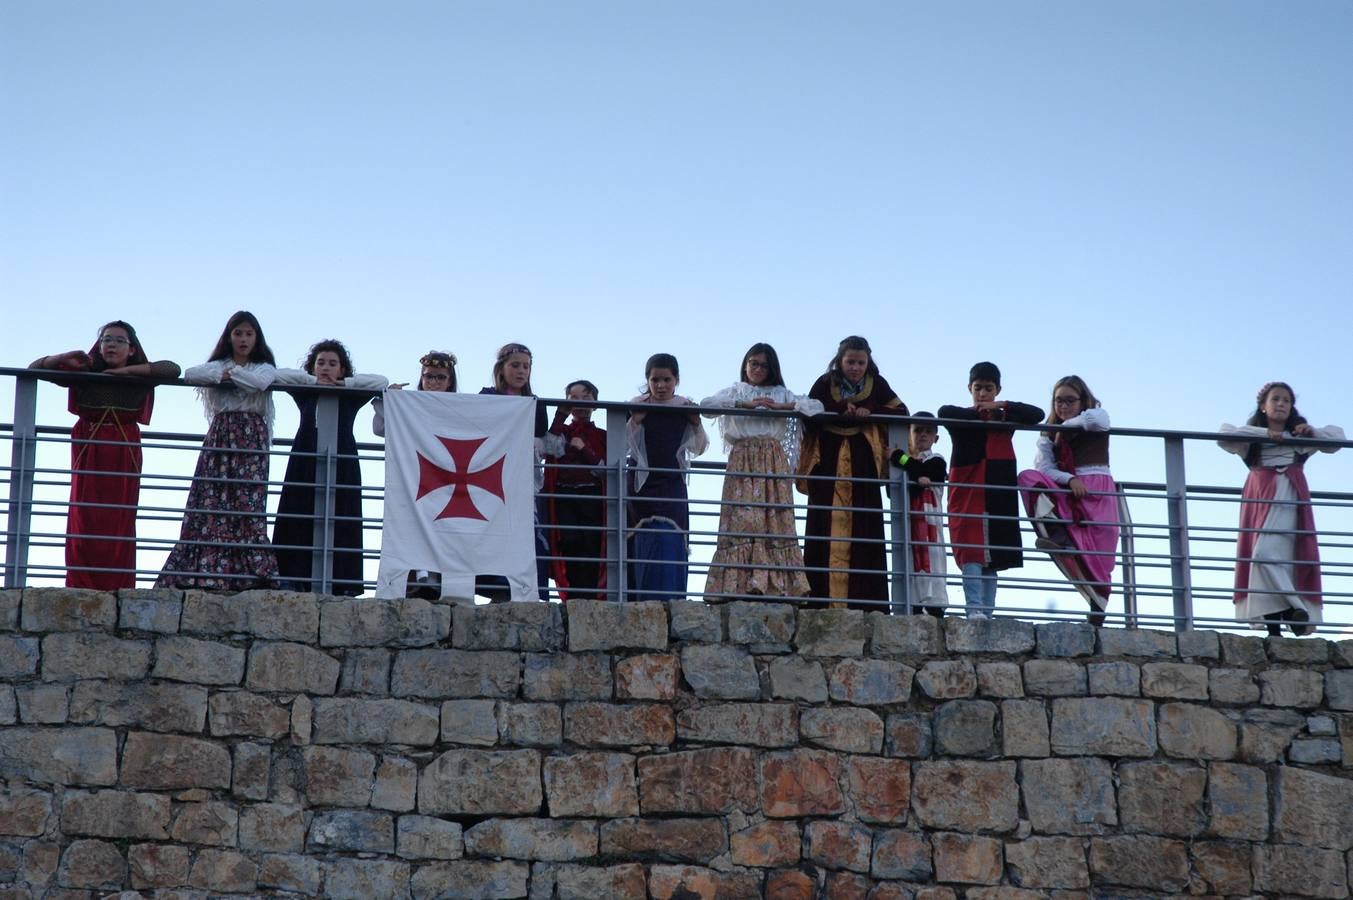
(854, 364)
(984, 391)
(580, 413)
(923, 437)
(516, 372)
(434, 378)
(242, 340)
(756, 369)
(115, 346)
(1278, 406)
(1066, 402)
(662, 383)
(328, 367)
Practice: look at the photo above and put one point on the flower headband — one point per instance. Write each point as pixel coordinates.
(436, 359)
(509, 349)
(1268, 386)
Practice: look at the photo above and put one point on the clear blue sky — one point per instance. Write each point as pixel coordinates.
(1154, 195)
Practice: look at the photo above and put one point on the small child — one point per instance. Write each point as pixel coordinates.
(926, 471)
(574, 495)
(983, 502)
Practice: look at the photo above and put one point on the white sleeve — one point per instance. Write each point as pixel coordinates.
(722, 399)
(253, 377)
(292, 376)
(1045, 461)
(207, 373)
(1245, 433)
(1328, 433)
(367, 382)
(808, 406)
(1096, 419)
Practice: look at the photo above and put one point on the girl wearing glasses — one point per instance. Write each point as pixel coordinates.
(1070, 494)
(758, 551)
(105, 455)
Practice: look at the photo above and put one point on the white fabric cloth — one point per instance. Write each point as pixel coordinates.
(928, 588)
(1275, 456)
(1045, 460)
(784, 430)
(251, 393)
(460, 526)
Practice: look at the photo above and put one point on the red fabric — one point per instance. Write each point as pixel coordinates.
(108, 474)
(593, 453)
(1260, 488)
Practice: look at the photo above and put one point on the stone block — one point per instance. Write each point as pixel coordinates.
(648, 676)
(797, 678)
(1301, 652)
(456, 673)
(846, 728)
(334, 777)
(965, 796)
(1000, 680)
(1315, 752)
(181, 658)
(351, 830)
(667, 840)
(1048, 862)
(1322, 726)
(42, 704)
(1054, 678)
(18, 656)
(158, 865)
(427, 837)
(1161, 798)
(1137, 642)
(249, 778)
(1245, 651)
(166, 762)
(273, 828)
(838, 845)
(1024, 728)
(1290, 871)
(1286, 688)
(10, 601)
(591, 784)
(902, 854)
(1123, 679)
(673, 882)
(1346, 739)
(242, 712)
(909, 735)
(695, 621)
(362, 879)
(1142, 861)
(567, 676)
(531, 724)
(25, 812)
(9, 707)
(351, 720)
(880, 789)
(531, 627)
(1237, 802)
(214, 824)
(66, 756)
(68, 609)
(1341, 652)
(71, 656)
(1198, 645)
(870, 682)
(481, 783)
(115, 814)
(601, 625)
(699, 782)
(267, 614)
(155, 611)
(757, 724)
(571, 882)
(92, 864)
(472, 722)
(471, 877)
(409, 622)
(720, 672)
(1175, 681)
(1339, 689)
(965, 728)
(766, 844)
(1232, 687)
(908, 637)
(617, 725)
(1069, 796)
(1190, 731)
(1312, 809)
(1265, 734)
(1004, 636)
(291, 872)
(291, 668)
(967, 859)
(366, 670)
(1063, 639)
(947, 679)
(226, 871)
(1107, 726)
(555, 840)
(1224, 867)
(832, 632)
(396, 784)
(764, 627)
(40, 862)
(153, 707)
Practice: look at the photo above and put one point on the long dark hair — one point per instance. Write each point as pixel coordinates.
(436, 359)
(261, 352)
(505, 351)
(329, 345)
(662, 361)
(1260, 418)
(136, 357)
(773, 376)
(854, 342)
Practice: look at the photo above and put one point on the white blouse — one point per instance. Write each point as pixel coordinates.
(1276, 456)
(1045, 459)
(783, 429)
(251, 394)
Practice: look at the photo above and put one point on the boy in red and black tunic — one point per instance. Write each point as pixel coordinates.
(983, 502)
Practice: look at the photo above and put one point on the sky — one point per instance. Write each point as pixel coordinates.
(1153, 195)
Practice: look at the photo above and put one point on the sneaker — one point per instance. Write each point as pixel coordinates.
(1298, 620)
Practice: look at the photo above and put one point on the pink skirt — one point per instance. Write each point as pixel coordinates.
(1092, 521)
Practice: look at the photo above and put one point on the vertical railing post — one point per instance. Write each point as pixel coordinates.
(1177, 505)
(23, 463)
(326, 474)
(617, 449)
(899, 527)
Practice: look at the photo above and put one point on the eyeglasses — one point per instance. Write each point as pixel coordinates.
(113, 339)
(430, 376)
(757, 364)
(1065, 401)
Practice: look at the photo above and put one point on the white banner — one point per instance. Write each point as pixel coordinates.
(459, 491)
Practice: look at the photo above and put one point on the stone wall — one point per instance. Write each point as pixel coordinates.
(189, 744)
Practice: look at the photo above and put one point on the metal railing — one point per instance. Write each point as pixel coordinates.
(1175, 557)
